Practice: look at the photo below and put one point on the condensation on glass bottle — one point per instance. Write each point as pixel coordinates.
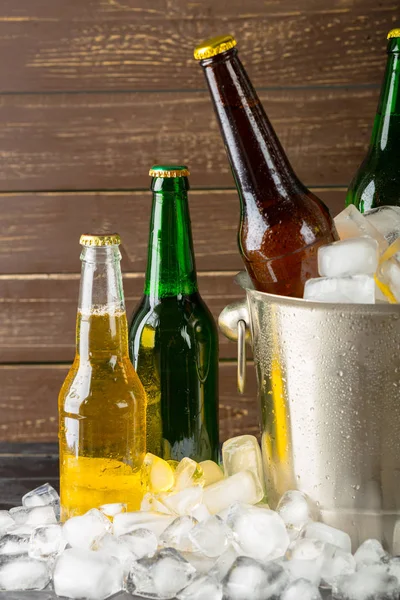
(282, 224)
(377, 181)
(173, 339)
(102, 403)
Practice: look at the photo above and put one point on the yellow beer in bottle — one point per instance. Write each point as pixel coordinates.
(102, 404)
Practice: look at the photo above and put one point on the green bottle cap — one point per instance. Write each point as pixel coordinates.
(169, 171)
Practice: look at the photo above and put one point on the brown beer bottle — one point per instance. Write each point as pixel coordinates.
(282, 223)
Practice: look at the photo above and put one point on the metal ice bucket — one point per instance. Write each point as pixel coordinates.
(329, 391)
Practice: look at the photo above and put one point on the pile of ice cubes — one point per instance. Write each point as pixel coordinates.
(364, 266)
(212, 537)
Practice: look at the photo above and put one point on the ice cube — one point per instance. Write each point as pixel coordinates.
(187, 474)
(336, 562)
(183, 502)
(386, 219)
(327, 534)
(86, 574)
(127, 522)
(115, 508)
(223, 563)
(249, 578)
(151, 502)
(162, 576)
(202, 587)
(117, 548)
(211, 537)
(241, 487)
(303, 569)
(43, 495)
(201, 563)
(47, 541)
(211, 472)
(365, 584)
(358, 289)
(259, 532)
(242, 453)
(388, 273)
(350, 223)
(87, 530)
(296, 510)
(370, 552)
(301, 589)
(200, 513)
(142, 542)
(159, 474)
(23, 573)
(355, 256)
(6, 522)
(14, 544)
(177, 534)
(38, 515)
(306, 549)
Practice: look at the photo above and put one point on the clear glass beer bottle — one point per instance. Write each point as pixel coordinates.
(282, 224)
(102, 404)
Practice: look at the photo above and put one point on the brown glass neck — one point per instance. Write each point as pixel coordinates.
(257, 158)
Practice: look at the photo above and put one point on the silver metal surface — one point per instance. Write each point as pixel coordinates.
(329, 388)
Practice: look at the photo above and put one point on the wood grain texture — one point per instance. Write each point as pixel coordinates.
(38, 315)
(109, 141)
(29, 402)
(130, 44)
(39, 233)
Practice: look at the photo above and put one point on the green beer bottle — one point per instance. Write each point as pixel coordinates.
(173, 338)
(377, 181)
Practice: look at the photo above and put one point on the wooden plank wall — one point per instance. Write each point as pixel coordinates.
(92, 93)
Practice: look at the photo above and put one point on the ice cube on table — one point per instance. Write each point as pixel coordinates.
(23, 573)
(163, 576)
(326, 533)
(388, 273)
(358, 289)
(296, 510)
(47, 541)
(350, 223)
(242, 487)
(250, 579)
(43, 495)
(201, 563)
(115, 508)
(38, 515)
(336, 562)
(14, 544)
(117, 548)
(242, 453)
(303, 569)
(370, 552)
(386, 219)
(177, 534)
(142, 542)
(301, 589)
(87, 530)
(202, 587)
(6, 522)
(183, 502)
(188, 473)
(355, 256)
(86, 574)
(366, 584)
(126, 522)
(211, 537)
(211, 472)
(307, 549)
(260, 533)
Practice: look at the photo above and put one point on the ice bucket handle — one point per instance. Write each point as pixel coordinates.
(234, 324)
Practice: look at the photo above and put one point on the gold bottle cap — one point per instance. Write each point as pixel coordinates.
(394, 33)
(169, 171)
(108, 239)
(214, 46)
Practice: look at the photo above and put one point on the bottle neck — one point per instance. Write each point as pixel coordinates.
(257, 158)
(386, 131)
(102, 330)
(171, 269)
